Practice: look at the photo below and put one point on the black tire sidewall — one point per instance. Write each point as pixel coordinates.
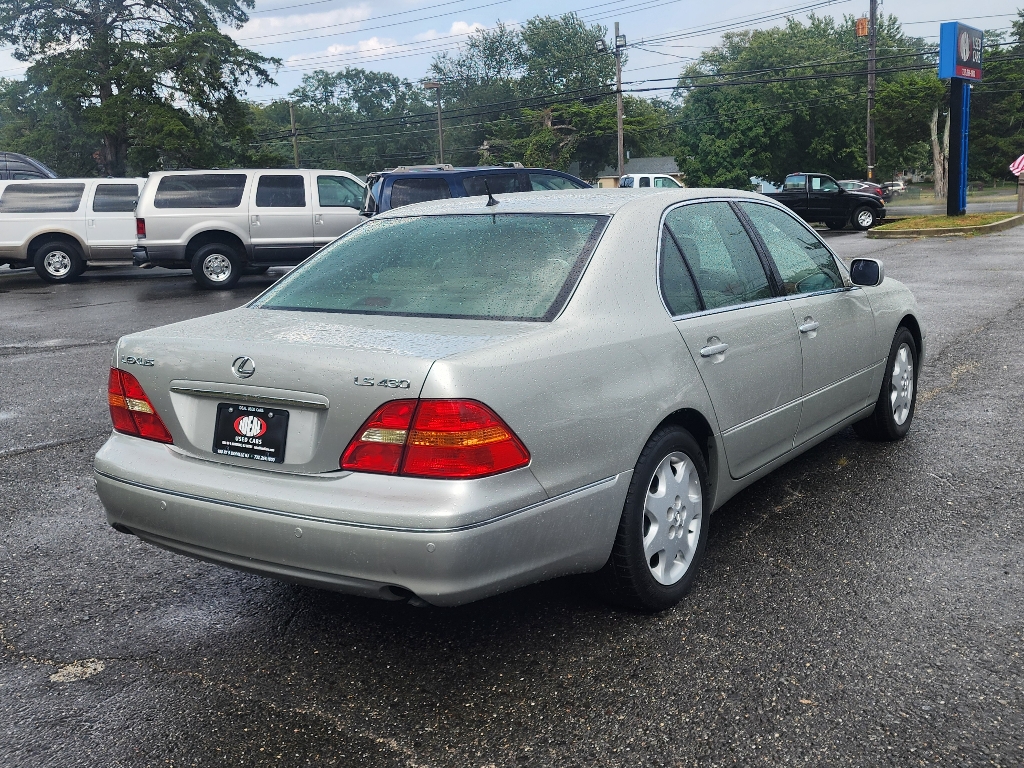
(856, 213)
(836, 224)
(888, 429)
(207, 250)
(71, 249)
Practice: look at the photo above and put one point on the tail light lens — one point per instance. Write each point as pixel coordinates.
(450, 439)
(140, 227)
(130, 409)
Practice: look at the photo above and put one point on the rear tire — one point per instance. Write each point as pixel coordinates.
(664, 525)
(836, 224)
(897, 399)
(58, 261)
(216, 267)
(864, 218)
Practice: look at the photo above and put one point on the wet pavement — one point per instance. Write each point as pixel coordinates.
(859, 607)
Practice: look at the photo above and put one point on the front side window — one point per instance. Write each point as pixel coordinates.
(200, 190)
(822, 184)
(409, 191)
(115, 198)
(666, 181)
(41, 198)
(486, 266)
(504, 183)
(795, 183)
(542, 181)
(339, 192)
(676, 284)
(281, 192)
(720, 254)
(804, 262)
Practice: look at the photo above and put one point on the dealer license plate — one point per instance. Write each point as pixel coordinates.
(251, 432)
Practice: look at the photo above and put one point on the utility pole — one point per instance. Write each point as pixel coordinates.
(872, 38)
(436, 86)
(620, 44)
(295, 134)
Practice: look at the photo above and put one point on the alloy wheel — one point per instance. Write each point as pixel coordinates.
(57, 263)
(901, 384)
(865, 218)
(217, 267)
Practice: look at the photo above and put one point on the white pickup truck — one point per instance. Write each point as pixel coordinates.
(60, 226)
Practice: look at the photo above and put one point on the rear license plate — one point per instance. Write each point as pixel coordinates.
(250, 432)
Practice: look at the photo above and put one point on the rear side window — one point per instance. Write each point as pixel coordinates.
(805, 264)
(542, 181)
(491, 267)
(676, 284)
(206, 190)
(409, 191)
(41, 198)
(645, 181)
(281, 192)
(720, 254)
(338, 192)
(498, 183)
(115, 198)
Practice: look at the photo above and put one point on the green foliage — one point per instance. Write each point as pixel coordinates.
(997, 109)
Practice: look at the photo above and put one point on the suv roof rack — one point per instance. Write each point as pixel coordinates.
(439, 167)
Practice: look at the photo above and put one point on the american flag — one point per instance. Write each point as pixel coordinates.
(1017, 166)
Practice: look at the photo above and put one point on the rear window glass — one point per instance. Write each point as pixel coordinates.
(498, 184)
(115, 198)
(795, 183)
(281, 192)
(409, 191)
(41, 198)
(208, 190)
(491, 267)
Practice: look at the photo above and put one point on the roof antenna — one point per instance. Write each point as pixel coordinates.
(491, 200)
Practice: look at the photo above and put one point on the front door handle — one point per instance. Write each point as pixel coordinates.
(810, 325)
(714, 349)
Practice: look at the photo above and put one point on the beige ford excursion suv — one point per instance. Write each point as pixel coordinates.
(222, 224)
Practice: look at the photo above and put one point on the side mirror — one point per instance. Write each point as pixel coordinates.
(869, 272)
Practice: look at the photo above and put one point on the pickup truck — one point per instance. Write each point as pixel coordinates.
(817, 197)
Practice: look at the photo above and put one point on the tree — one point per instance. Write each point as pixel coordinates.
(147, 80)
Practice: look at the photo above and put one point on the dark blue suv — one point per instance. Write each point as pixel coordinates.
(418, 183)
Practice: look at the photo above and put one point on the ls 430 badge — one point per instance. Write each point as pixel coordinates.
(369, 381)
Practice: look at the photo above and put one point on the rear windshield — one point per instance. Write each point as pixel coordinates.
(41, 198)
(490, 267)
(208, 190)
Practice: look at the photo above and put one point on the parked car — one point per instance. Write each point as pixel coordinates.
(420, 183)
(631, 180)
(458, 398)
(22, 167)
(221, 224)
(855, 185)
(61, 226)
(817, 197)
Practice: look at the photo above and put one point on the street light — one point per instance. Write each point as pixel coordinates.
(436, 86)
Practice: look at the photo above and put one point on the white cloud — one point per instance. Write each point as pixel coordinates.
(458, 28)
(339, 53)
(303, 22)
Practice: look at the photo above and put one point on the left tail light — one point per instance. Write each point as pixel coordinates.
(131, 410)
(140, 227)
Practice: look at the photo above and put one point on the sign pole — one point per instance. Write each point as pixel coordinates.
(959, 115)
(1020, 195)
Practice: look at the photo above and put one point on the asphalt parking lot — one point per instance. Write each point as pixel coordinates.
(859, 607)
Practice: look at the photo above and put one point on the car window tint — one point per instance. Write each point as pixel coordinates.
(409, 191)
(664, 181)
(541, 181)
(498, 184)
(41, 198)
(804, 262)
(274, 191)
(795, 183)
(626, 181)
(821, 184)
(645, 181)
(200, 190)
(676, 284)
(115, 198)
(718, 250)
(338, 192)
(499, 267)
(25, 175)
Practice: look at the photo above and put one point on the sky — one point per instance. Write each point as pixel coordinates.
(402, 36)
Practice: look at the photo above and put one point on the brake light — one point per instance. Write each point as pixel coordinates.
(449, 439)
(140, 227)
(130, 409)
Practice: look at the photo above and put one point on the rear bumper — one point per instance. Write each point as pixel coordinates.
(338, 549)
(149, 255)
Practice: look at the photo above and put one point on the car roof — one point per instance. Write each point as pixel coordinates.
(582, 201)
(457, 170)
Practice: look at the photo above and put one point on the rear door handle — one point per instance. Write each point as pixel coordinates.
(714, 349)
(254, 220)
(809, 326)
(318, 219)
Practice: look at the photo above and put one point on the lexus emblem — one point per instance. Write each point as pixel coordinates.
(243, 367)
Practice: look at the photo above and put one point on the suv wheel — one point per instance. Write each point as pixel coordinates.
(863, 218)
(58, 261)
(216, 267)
(836, 223)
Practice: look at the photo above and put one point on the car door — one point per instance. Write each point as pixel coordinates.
(336, 204)
(794, 193)
(742, 339)
(281, 217)
(110, 220)
(822, 198)
(835, 323)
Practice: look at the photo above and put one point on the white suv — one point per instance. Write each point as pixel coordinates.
(60, 226)
(222, 224)
(631, 180)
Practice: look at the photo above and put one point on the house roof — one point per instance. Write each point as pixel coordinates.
(665, 164)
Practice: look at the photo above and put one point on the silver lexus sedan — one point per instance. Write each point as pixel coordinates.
(460, 397)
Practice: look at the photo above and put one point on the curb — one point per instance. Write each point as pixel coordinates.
(983, 229)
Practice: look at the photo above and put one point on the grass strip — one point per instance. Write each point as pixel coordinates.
(941, 222)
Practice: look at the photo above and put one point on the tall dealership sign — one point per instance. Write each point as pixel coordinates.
(960, 62)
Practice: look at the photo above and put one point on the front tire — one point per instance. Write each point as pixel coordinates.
(894, 409)
(864, 218)
(216, 267)
(664, 525)
(58, 261)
